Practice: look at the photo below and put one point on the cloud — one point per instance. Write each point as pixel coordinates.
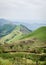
(23, 9)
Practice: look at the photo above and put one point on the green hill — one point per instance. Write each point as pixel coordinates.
(34, 40)
(21, 41)
(40, 34)
(15, 34)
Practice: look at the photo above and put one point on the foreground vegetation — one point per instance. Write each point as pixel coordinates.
(22, 58)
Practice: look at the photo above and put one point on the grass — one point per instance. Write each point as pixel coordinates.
(39, 34)
(20, 58)
(5, 61)
(16, 33)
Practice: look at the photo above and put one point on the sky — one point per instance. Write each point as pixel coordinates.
(22, 10)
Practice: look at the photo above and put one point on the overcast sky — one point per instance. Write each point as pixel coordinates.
(23, 9)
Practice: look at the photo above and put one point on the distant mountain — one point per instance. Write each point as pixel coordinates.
(32, 26)
(4, 21)
(6, 29)
(11, 33)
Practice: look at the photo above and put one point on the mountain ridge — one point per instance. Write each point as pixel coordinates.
(16, 33)
(31, 26)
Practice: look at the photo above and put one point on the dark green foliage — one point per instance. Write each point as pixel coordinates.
(45, 50)
(43, 58)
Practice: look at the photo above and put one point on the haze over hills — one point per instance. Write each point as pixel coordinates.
(32, 25)
(6, 29)
(4, 21)
(8, 26)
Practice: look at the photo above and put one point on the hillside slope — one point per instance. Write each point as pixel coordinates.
(16, 34)
(6, 29)
(20, 42)
(40, 34)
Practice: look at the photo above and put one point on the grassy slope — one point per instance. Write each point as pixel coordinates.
(39, 33)
(23, 58)
(16, 34)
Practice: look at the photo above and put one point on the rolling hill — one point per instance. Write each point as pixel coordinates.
(19, 40)
(40, 34)
(15, 34)
(22, 40)
(20, 34)
(36, 39)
